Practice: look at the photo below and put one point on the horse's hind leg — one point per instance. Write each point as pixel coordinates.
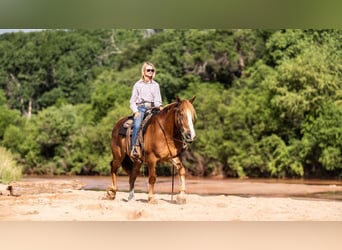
(111, 190)
(132, 177)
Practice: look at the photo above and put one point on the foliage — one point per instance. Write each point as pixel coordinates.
(107, 92)
(325, 136)
(7, 116)
(209, 125)
(268, 102)
(9, 170)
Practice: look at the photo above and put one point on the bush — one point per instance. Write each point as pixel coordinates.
(9, 170)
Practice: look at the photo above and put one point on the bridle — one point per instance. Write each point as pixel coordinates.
(179, 126)
(180, 123)
(173, 138)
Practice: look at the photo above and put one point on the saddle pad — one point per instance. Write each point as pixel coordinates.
(128, 123)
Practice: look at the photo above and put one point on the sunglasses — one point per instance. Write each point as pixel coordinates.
(150, 70)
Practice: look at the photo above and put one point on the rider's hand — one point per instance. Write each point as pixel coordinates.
(136, 114)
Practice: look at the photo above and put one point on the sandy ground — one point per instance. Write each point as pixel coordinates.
(67, 201)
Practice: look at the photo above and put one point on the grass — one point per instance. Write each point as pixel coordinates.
(9, 170)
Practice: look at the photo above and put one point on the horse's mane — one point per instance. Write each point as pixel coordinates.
(169, 106)
(187, 105)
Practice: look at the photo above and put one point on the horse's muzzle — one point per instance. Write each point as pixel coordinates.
(188, 137)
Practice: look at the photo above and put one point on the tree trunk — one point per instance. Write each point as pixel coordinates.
(29, 113)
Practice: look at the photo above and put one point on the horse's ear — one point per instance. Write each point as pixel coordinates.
(178, 99)
(192, 99)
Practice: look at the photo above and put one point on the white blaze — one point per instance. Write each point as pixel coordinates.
(191, 125)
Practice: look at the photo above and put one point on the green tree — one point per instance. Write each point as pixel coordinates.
(9, 170)
(22, 141)
(210, 106)
(37, 63)
(323, 137)
(268, 101)
(7, 116)
(108, 94)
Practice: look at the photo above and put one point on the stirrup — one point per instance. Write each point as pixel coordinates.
(134, 154)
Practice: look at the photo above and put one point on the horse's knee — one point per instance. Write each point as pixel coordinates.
(179, 166)
(181, 169)
(152, 179)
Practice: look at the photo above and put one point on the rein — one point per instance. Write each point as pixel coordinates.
(173, 167)
(167, 143)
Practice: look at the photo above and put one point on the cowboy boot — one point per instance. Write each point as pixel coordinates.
(135, 152)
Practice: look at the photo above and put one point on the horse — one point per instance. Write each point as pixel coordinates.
(164, 139)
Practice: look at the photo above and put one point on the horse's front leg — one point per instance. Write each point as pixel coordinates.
(176, 162)
(132, 177)
(111, 190)
(151, 181)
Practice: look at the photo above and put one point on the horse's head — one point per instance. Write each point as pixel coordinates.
(185, 117)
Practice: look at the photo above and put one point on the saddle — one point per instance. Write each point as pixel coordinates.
(127, 128)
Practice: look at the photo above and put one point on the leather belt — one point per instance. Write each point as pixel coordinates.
(145, 104)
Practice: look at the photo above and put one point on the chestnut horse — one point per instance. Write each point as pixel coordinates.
(164, 139)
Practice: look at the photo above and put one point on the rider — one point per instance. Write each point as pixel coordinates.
(145, 95)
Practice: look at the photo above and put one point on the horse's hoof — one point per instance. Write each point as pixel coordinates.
(180, 200)
(110, 194)
(131, 196)
(152, 201)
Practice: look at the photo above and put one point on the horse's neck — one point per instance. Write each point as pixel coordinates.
(167, 121)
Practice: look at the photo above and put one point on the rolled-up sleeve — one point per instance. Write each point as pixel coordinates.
(157, 97)
(134, 99)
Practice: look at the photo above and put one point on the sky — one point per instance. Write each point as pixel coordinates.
(17, 30)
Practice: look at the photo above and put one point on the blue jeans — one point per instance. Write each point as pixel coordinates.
(137, 124)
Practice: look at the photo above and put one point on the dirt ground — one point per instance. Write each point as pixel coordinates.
(67, 200)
